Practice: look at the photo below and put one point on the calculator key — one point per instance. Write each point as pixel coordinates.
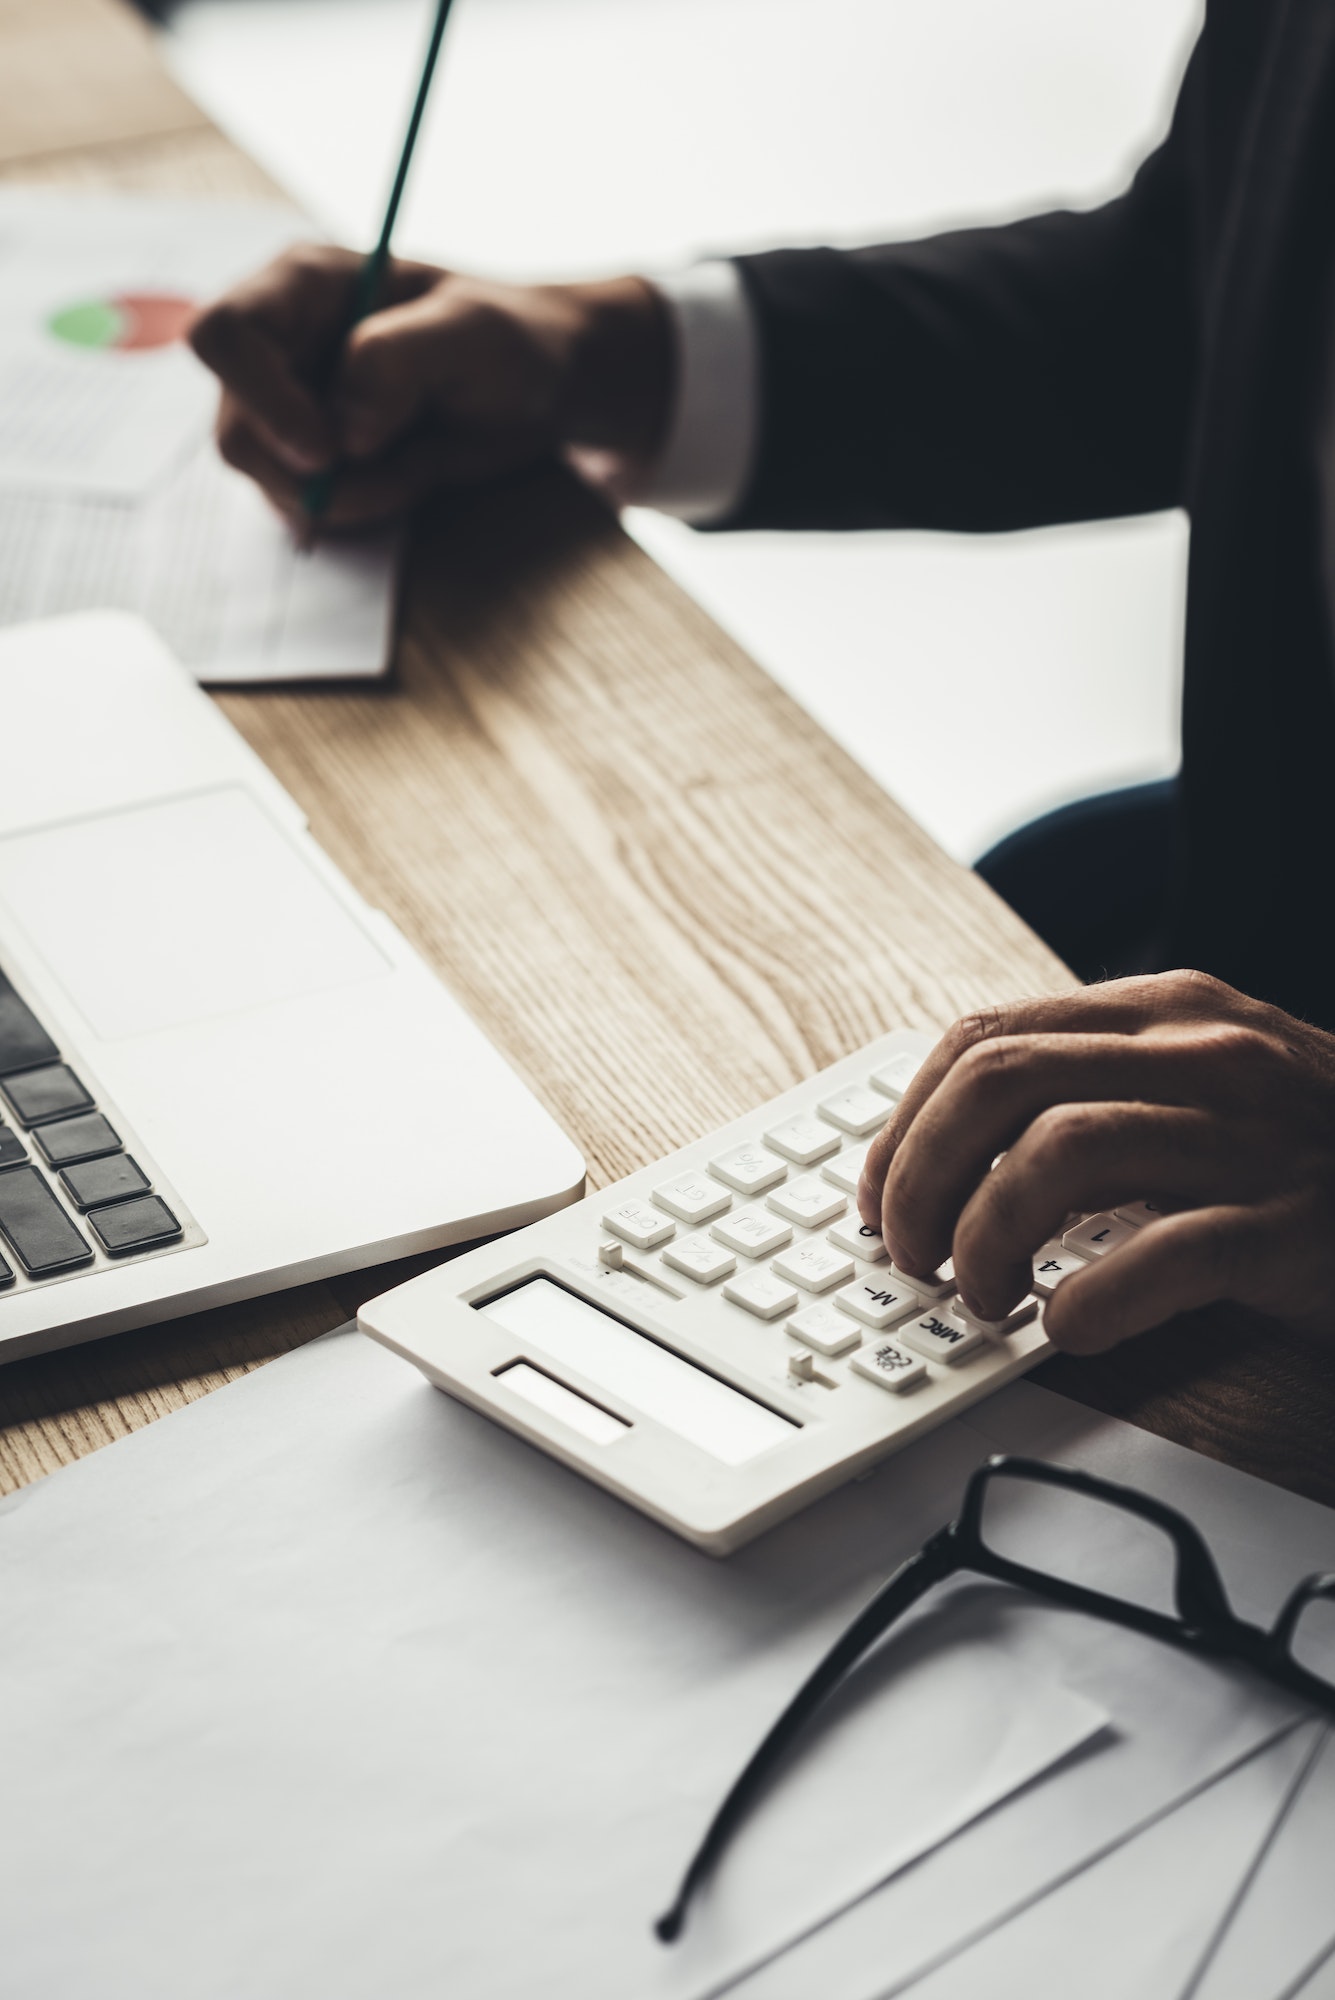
(13, 1152)
(846, 1171)
(135, 1225)
(1138, 1213)
(700, 1259)
(47, 1093)
(878, 1306)
(97, 1183)
(761, 1293)
(942, 1336)
(752, 1231)
(803, 1140)
(895, 1076)
(810, 1202)
(886, 1362)
(1051, 1265)
(749, 1169)
(639, 1225)
(24, 1042)
(856, 1111)
(1097, 1235)
(37, 1227)
(72, 1139)
(692, 1198)
(826, 1329)
(996, 1329)
(937, 1284)
(813, 1267)
(858, 1240)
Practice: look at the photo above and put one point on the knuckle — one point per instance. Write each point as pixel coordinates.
(972, 1031)
(1189, 988)
(903, 1193)
(1237, 1049)
(1060, 1135)
(990, 1223)
(311, 260)
(370, 355)
(988, 1066)
(1221, 1249)
(880, 1153)
(908, 1210)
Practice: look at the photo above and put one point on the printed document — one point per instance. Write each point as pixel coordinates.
(98, 394)
(112, 495)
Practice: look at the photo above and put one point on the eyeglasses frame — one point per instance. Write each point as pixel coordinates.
(1205, 1624)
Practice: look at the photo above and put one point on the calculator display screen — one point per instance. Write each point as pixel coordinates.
(710, 1414)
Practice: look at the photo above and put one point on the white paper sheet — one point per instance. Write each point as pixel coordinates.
(373, 1697)
(92, 399)
(209, 564)
(1138, 1922)
(1179, 1723)
(1285, 1924)
(326, 1685)
(1317, 1984)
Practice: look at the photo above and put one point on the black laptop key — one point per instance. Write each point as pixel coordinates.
(24, 1042)
(37, 1228)
(13, 1153)
(98, 1182)
(135, 1225)
(73, 1139)
(40, 1094)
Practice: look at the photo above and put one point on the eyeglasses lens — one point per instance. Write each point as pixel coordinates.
(1093, 1543)
(1313, 1641)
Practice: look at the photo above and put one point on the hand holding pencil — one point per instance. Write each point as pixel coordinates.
(353, 387)
(453, 381)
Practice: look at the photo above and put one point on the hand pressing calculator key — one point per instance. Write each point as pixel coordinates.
(718, 1338)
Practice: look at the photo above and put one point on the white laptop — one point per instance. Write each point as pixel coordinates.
(220, 1071)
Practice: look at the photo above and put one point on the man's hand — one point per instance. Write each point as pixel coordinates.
(453, 380)
(1174, 1089)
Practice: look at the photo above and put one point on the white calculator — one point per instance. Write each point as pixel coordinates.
(717, 1338)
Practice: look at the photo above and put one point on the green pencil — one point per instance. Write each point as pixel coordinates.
(317, 492)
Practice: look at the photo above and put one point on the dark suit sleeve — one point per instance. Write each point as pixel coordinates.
(986, 379)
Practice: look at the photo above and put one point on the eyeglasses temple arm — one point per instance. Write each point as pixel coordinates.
(935, 1561)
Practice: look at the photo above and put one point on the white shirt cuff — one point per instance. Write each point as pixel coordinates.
(703, 470)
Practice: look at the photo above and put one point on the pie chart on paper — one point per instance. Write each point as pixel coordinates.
(129, 323)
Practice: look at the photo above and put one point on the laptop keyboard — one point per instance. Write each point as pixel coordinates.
(73, 1195)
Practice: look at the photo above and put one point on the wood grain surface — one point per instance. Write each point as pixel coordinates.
(663, 891)
(78, 75)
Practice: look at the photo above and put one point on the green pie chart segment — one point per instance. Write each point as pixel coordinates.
(95, 323)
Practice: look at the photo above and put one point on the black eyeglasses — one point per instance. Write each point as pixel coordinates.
(1202, 1622)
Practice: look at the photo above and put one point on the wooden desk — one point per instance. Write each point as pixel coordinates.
(664, 892)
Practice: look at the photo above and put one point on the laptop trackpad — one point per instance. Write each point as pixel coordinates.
(180, 911)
